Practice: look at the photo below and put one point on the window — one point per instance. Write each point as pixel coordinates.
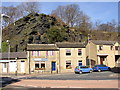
(38, 53)
(68, 52)
(35, 53)
(5, 65)
(79, 51)
(68, 64)
(111, 47)
(80, 63)
(40, 65)
(116, 47)
(100, 47)
(50, 53)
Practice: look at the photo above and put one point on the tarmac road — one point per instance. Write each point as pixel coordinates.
(106, 75)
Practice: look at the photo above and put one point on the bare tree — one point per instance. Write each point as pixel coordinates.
(68, 14)
(19, 11)
(12, 13)
(84, 23)
(26, 8)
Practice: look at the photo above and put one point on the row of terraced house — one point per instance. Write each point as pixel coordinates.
(60, 57)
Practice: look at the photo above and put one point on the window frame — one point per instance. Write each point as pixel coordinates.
(40, 66)
(68, 52)
(117, 48)
(100, 47)
(68, 62)
(79, 52)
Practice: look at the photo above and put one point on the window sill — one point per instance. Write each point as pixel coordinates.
(39, 68)
(69, 68)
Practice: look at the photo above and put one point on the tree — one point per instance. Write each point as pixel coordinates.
(70, 14)
(56, 34)
(4, 47)
(109, 27)
(26, 8)
(12, 13)
(84, 23)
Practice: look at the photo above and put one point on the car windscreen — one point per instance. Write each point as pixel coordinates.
(77, 67)
(84, 67)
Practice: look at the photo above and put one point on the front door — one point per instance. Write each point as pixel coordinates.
(80, 63)
(12, 66)
(5, 67)
(53, 66)
(101, 60)
(22, 66)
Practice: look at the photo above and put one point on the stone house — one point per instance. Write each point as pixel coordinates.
(103, 52)
(43, 58)
(55, 58)
(71, 55)
(13, 62)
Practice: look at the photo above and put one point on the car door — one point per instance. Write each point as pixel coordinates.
(87, 69)
(84, 69)
(105, 67)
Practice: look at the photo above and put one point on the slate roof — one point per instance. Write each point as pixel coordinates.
(103, 42)
(41, 47)
(70, 45)
(14, 55)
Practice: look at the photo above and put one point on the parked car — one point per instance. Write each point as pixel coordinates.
(82, 69)
(101, 67)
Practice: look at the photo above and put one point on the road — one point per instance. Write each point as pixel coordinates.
(107, 75)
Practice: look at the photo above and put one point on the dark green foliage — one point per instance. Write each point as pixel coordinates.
(39, 28)
(56, 34)
(4, 47)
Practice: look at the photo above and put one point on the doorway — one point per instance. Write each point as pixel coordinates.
(22, 66)
(102, 59)
(53, 66)
(5, 67)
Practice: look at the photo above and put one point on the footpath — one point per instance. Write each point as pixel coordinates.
(65, 84)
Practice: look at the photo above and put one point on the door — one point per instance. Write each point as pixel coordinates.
(5, 67)
(80, 63)
(53, 66)
(12, 66)
(22, 66)
(101, 60)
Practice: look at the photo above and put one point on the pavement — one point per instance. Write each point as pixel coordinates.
(65, 84)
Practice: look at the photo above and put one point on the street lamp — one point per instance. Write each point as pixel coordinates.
(89, 50)
(8, 41)
(2, 16)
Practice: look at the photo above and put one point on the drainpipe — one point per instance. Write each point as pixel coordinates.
(16, 66)
(59, 61)
(29, 61)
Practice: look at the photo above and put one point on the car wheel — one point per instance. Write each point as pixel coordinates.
(91, 71)
(80, 72)
(99, 70)
(109, 69)
(76, 73)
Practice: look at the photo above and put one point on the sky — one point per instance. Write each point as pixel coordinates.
(102, 11)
